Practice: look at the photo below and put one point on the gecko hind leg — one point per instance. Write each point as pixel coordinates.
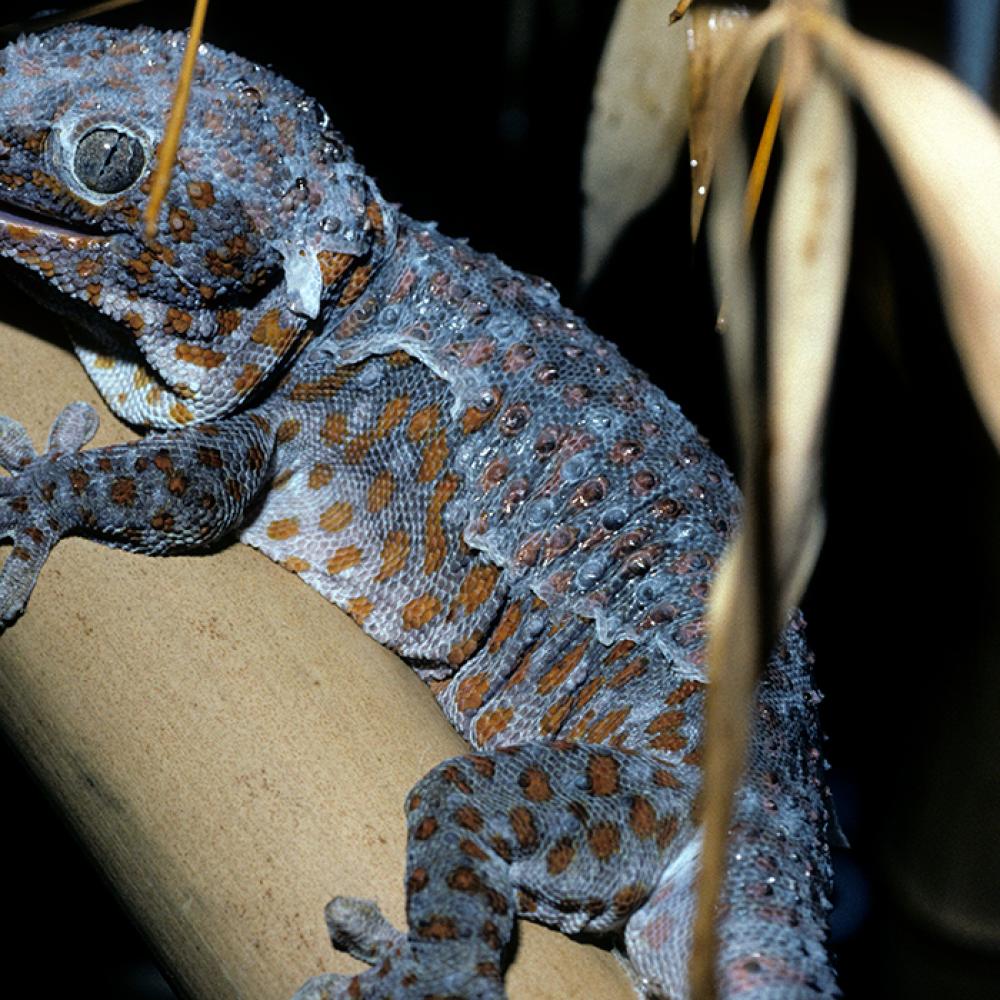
(567, 834)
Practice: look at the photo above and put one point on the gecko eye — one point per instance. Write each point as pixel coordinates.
(108, 160)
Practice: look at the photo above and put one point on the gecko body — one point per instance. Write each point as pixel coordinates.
(432, 441)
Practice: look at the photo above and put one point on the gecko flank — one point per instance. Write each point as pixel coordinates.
(434, 443)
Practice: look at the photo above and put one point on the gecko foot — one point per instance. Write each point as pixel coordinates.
(358, 927)
(29, 518)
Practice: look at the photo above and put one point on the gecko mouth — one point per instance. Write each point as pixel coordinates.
(22, 225)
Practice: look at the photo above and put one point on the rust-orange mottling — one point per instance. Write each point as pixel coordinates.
(337, 516)
(420, 611)
(492, 723)
(435, 543)
(395, 552)
(563, 668)
(344, 558)
(286, 527)
(471, 692)
(380, 491)
(477, 587)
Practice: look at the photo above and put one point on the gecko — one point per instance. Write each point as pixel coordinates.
(437, 445)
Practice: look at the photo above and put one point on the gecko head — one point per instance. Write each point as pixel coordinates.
(267, 213)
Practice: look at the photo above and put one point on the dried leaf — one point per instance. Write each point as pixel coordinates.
(945, 145)
(636, 127)
(808, 257)
(733, 615)
(709, 33)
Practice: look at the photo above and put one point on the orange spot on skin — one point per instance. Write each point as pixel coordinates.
(380, 491)
(474, 418)
(562, 669)
(356, 284)
(343, 558)
(471, 692)
(602, 774)
(633, 669)
(325, 387)
(493, 722)
(248, 378)
(558, 859)
(607, 726)
(604, 840)
(180, 414)
(295, 565)
(334, 429)
(357, 448)
(663, 729)
(395, 552)
(433, 458)
(320, 475)
(555, 716)
(420, 611)
(534, 783)
(192, 354)
(272, 334)
(506, 627)
(522, 822)
(435, 543)
(683, 691)
(287, 527)
(423, 422)
(359, 608)
(337, 516)
(333, 265)
(619, 651)
(288, 430)
(477, 587)
(201, 194)
(464, 649)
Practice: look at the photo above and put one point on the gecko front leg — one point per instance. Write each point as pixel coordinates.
(170, 492)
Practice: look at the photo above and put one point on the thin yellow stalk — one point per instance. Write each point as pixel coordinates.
(172, 134)
(762, 158)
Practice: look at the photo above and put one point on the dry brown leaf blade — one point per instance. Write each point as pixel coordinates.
(732, 614)
(709, 33)
(808, 259)
(636, 126)
(945, 145)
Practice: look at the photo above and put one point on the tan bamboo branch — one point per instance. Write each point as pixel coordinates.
(232, 749)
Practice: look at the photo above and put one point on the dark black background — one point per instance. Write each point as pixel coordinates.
(474, 115)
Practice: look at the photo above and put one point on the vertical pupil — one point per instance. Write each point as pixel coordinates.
(108, 161)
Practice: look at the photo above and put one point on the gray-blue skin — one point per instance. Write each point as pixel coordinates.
(433, 442)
